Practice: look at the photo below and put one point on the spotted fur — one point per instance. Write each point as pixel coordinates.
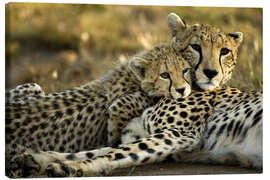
(77, 119)
(22, 91)
(220, 126)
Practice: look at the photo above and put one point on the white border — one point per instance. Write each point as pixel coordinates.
(222, 3)
(217, 3)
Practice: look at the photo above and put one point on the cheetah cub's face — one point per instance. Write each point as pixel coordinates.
(211, 52)
(163, 73)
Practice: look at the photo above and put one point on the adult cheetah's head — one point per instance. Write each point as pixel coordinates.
(162, 73)
(211, 52)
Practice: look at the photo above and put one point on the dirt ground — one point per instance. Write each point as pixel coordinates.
(171, 168)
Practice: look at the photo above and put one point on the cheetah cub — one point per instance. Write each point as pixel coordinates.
(67, 121)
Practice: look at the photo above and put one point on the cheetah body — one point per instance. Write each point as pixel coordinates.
(77, 119)
(231, 135)
(187, 130)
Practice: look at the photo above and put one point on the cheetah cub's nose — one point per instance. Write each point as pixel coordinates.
(180, 90)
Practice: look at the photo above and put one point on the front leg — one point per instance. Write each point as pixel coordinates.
(154, 148)
(31, 164)
(122, 110)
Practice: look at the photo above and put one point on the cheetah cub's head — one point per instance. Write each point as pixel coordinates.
(211, 52)
(162, 73)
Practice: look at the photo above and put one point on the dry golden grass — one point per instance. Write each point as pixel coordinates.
(60, 46)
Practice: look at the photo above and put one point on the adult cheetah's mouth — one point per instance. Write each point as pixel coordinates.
(209, 85)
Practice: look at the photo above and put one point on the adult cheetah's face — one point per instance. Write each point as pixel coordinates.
(167, 76)
(209, 51)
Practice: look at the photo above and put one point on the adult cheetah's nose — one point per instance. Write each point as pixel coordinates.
(180, 90)
(210, 73)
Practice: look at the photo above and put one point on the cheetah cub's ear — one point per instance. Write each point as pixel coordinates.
(175, 24)
(237, 37)
(138, 66)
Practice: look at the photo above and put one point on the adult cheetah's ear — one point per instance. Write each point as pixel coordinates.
(237, 37)
(138, 66)
(175, 24)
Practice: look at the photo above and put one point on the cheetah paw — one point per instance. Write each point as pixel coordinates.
(23, 165)
(59, 169)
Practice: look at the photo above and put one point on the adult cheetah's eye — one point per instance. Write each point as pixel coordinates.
(196, 47)
(165, 75)
(224, 51)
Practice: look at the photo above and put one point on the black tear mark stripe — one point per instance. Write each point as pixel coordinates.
(220, 63)
(170, 86)
(200, 59)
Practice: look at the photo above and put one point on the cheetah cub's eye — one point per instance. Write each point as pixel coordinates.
(224, 51)
(196, 47)
(186, 70)
(165, 75)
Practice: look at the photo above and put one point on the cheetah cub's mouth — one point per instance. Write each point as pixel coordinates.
(176, 93)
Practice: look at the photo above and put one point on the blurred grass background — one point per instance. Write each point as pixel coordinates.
(63, 45)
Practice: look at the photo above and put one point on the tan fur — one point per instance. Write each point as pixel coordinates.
(84, 117)
(223, 126)
(211, 41)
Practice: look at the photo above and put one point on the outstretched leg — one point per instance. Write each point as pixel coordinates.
(154, 148)
(31, 164)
